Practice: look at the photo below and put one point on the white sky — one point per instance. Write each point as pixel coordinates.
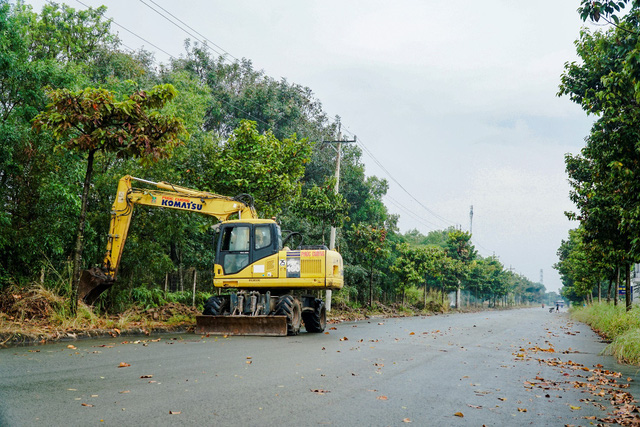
(456, 99)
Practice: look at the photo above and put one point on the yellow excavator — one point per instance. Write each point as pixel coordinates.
(268, 279)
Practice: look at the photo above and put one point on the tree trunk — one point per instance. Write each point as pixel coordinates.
(77, 256)
(599, 292)
(371, 287)
(627, 294)
(425, 293)
(458, 297)
(181, 274)
(609, 291)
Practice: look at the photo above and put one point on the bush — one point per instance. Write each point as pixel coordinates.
(626, 347)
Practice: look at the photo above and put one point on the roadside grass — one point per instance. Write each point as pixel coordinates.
(40, 314)
(616, 324)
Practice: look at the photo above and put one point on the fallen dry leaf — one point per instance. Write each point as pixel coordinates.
(319, 391)
(175, 412)
(459, 414)
(87, 404)
(123, 365)
(406, 420)
(344, 339)
(575, 408)
(522, 410)
(146, 376)
(72, 347)
(382, 398)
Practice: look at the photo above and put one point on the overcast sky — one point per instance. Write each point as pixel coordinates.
(455, 99)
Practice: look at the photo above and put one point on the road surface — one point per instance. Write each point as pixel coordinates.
(522, 367)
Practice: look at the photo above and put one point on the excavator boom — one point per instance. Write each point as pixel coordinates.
(165, 195)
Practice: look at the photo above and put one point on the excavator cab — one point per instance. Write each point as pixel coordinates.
(241, 243)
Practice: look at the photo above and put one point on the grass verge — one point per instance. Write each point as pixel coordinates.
(617, 325)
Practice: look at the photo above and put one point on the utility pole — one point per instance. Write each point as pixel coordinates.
(336, 189)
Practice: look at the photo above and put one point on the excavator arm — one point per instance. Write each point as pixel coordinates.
(165, 195)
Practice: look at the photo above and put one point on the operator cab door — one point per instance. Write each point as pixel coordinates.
(242, 244)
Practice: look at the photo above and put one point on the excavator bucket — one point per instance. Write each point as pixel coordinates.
(273, 326)
(93, 282)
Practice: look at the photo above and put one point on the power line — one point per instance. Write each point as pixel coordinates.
(370, 154)
(128, 30)
(187, 32)
(423, 221)
(195, 31)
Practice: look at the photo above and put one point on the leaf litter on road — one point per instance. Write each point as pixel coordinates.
(599, 383)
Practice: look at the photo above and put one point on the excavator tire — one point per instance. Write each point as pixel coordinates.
(213, 307)
(315, 320)
(288, 306)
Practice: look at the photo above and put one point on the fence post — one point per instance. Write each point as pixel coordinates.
(195, 275)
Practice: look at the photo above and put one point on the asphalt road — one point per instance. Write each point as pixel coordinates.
(494, 368)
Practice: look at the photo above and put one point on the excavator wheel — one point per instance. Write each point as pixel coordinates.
(213, 307)
(288, 306)
(315, 320)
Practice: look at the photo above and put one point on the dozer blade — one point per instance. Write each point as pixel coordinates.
(274, 326)
(93, 282)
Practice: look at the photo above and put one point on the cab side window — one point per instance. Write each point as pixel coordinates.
(262, 236)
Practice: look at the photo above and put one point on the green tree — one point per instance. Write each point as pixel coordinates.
(92, 120)
(322, 206)
(64, 34)
(409, 267)
(372, 249)
(604, 176)
(259, 164)
(460, 249)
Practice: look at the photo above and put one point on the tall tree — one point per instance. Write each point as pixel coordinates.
(372, 249)
(261, 165)
(92, 120)
(460, 249)
(604, 176)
